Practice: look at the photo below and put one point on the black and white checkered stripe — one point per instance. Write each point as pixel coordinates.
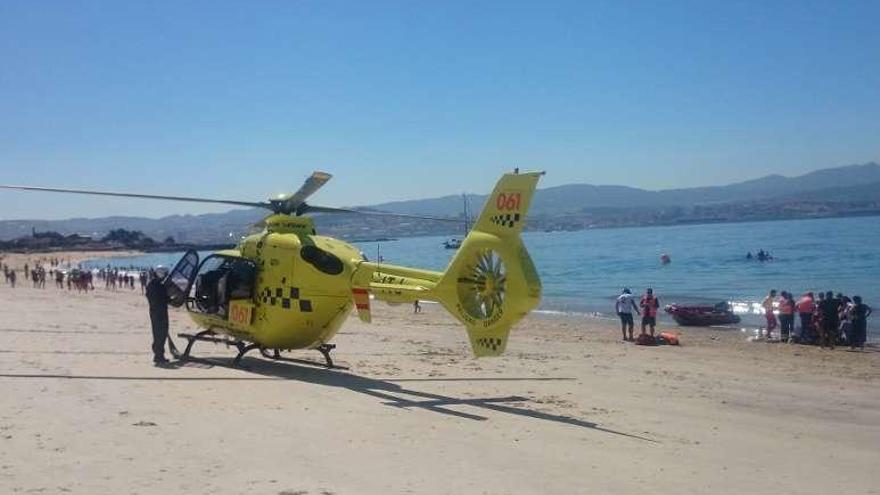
(285, 297)
(506, 220)
(489, 343)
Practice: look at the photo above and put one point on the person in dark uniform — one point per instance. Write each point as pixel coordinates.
(830, 308)
(860, 314)
(157, 297)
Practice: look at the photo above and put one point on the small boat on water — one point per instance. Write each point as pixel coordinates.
(455, 242)
(452, 243)
(702, 316)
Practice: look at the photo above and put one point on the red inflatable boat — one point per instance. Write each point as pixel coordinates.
(702, 316)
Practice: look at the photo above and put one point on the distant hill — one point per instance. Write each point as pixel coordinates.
(581, 197)
(208, 228)
(853, 189)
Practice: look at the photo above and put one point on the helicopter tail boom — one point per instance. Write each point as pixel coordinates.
(492, 283)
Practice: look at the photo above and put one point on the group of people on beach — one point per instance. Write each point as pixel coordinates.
(826, 319)
(81, 279)
(115, 279)
(75, 277)
(9, 274)
(647, 308)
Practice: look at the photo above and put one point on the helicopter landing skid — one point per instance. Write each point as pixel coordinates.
(204, 336)
(244, 348)
(209, 336)
(324, 349)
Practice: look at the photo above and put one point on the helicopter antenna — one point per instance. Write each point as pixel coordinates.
(467, 222)
(378, 259)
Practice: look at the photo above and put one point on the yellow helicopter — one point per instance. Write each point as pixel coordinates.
(289, 288)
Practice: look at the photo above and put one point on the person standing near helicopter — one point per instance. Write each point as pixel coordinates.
(157, 297)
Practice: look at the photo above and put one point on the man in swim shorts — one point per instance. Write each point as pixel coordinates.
(767, 304)
(650, 304)
(624, 307)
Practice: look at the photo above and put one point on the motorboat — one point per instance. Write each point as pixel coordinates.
(452, 243)
(455, 242)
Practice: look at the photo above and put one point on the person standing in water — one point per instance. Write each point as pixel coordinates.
(649, 304)
(767, 304)
(624, 307)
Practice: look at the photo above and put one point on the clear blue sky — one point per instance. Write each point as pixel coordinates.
(412, 99)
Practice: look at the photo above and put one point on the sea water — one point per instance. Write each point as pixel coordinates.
(584, 271)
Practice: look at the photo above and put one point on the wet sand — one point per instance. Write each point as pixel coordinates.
(568, 409)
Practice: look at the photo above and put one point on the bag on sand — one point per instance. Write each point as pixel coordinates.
(645, 339)
(669, 338)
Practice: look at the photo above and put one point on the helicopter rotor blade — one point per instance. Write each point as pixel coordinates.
(289, 203)
(141, 196)
(292, 204)
(307, 208)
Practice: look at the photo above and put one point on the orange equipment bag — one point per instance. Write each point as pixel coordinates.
(671, 338)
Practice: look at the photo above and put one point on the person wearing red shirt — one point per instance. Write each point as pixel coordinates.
(649, 305)
(786, 316)
(805, 307)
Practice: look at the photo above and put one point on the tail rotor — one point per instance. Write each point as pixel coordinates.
(492, 283)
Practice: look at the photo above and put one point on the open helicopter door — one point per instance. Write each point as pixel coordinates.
(181, 278)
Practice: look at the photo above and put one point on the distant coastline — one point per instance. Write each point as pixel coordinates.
(117, 239)
(7, 247)
(704, 221)
(848, 191)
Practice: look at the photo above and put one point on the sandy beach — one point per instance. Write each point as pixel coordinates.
(568, 409)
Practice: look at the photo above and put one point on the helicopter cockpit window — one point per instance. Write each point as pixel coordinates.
(324, 261)
(222, 279)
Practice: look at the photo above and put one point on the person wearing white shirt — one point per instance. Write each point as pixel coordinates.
(624, 307)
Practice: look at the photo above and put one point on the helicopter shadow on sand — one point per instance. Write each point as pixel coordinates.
(393, 394)
(390, 391)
